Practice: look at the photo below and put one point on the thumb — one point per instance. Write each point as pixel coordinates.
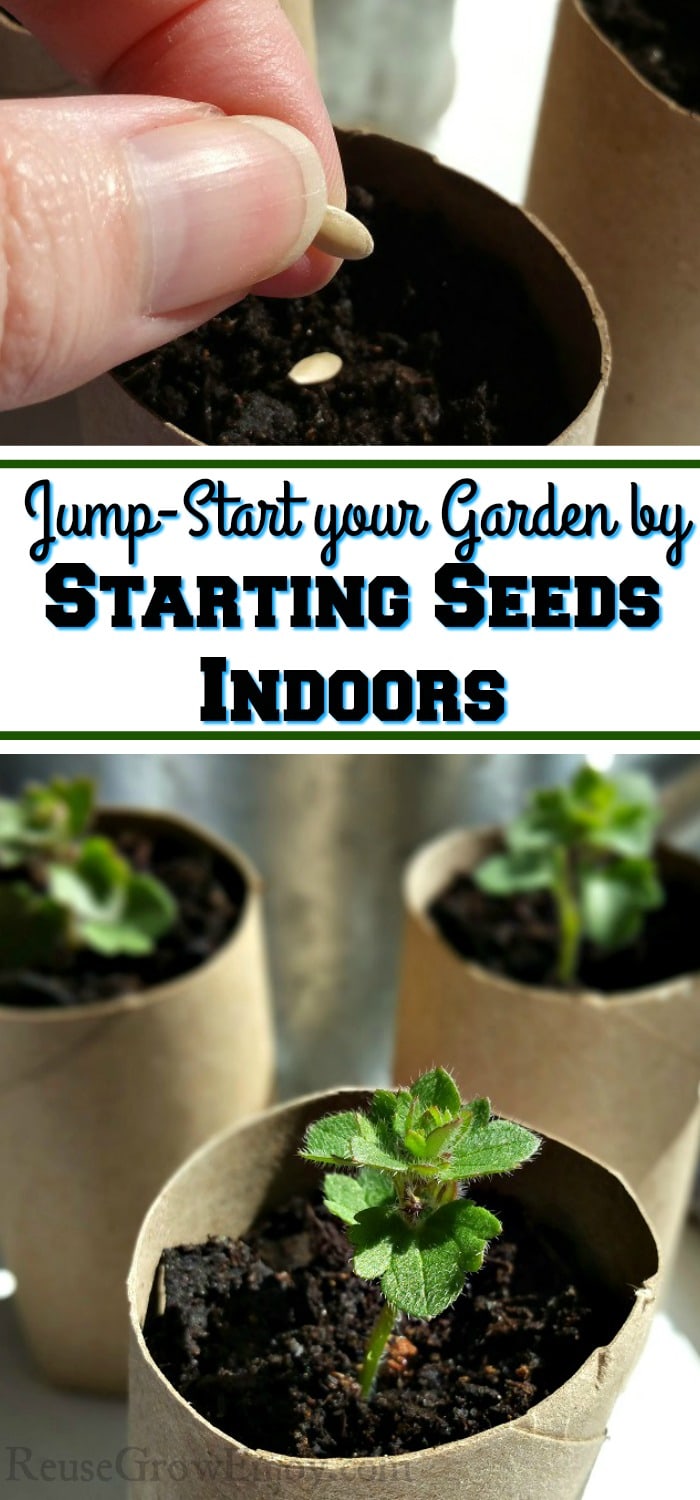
(126, 221)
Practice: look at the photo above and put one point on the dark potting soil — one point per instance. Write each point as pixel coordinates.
(264, 1337)
(209, 894)
(439, 343)
(517, 937)
(661, 38)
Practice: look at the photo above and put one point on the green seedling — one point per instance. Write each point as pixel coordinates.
(71, 888)
(410, 1224)
(590, 843)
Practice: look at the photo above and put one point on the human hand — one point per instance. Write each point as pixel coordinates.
(130, 217)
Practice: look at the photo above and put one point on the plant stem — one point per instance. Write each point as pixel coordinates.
(569, 923)
(378, 1340)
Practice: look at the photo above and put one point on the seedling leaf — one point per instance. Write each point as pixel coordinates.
(498, 1147)
(436, 1090)
(330, 1140)
(346, 1197)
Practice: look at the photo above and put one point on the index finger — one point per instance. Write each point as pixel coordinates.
(241, 55)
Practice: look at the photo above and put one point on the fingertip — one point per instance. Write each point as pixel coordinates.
(310, 273)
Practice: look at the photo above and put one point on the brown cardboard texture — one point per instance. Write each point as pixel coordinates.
(26, 70)
(548, 1452)
(616, 175)
(617, 1075)
(412, 178)
(98, 1106)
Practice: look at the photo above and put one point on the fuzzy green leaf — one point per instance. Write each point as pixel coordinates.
(470, 1224)
(427, 1268)
(385, 1103)
(500, 1146)
(374, 1236)
(437, 1090)
(476, 1115)
(330, 1140)
(348, 1196)
(376, 1145)
(439, 1139)
(390, 1108)
(422, 1280)
(415, 1142)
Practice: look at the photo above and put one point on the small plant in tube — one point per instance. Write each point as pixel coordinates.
(64, 887)
(403, 1169)
(591, 845)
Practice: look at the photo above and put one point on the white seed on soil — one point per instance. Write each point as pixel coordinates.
(316, 368)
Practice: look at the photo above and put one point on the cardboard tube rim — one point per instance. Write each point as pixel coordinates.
(157, 994)
(338, 1465)
(596, 311)
(457, 838)
(8, 23)
(628, 65)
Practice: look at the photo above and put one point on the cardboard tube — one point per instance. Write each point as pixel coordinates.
(411, 178)
(616, 175)
(26, 70)
(617, 1075)
(98, 1105)
(550, 1451)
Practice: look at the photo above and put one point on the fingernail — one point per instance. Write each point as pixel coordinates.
(221, 203)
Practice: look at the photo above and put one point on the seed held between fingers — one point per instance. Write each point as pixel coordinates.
(344, 236)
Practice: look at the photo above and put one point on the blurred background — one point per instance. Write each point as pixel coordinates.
(461, 78)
